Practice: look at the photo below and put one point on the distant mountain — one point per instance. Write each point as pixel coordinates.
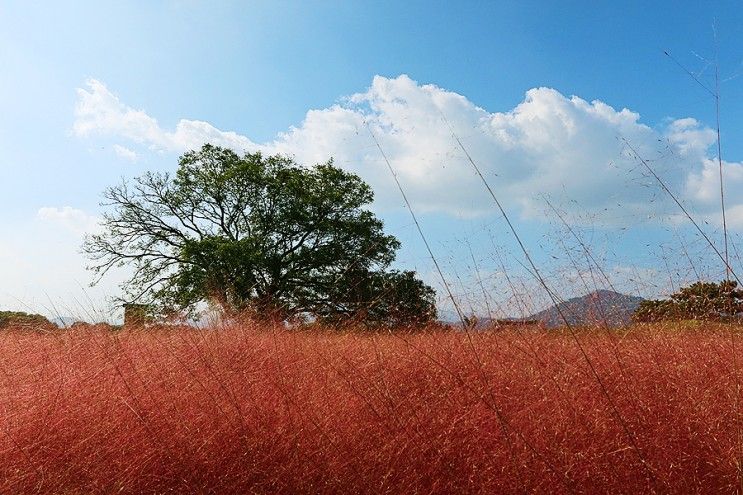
(600, 307)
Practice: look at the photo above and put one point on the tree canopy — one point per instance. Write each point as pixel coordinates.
(257, 233)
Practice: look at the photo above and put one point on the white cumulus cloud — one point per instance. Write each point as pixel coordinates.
(100, 112)
(549, 144)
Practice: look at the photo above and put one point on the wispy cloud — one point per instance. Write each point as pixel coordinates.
(71, 219)
(125, 153)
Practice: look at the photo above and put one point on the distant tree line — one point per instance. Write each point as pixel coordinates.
(20, 319)
(707, 301)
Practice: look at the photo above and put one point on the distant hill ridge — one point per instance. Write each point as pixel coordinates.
(600, 307)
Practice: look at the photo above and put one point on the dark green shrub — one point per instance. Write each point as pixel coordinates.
(708, 301)
(19, 319)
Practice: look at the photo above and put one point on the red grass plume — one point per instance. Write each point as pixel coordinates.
(241, 409)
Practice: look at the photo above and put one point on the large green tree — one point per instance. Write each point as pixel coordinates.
(257, 233)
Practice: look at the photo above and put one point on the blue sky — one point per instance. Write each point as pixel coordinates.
(91, 92)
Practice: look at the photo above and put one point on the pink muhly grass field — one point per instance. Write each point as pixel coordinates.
(242, 409)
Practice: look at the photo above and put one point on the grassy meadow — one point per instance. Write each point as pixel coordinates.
(239, 408)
